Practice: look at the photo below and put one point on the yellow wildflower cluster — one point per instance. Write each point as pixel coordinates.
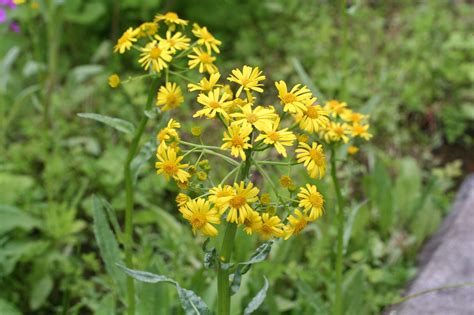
(295, 132)
(249, 130)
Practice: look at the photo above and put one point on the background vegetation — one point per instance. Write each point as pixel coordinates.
(409, 65)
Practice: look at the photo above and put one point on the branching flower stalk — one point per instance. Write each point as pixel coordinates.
(256, 139)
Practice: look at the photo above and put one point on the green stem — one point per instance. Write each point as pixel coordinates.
(338, 309)
(130, 198)
(223, 283)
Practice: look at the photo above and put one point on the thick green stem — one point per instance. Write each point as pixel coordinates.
(338, 304)
(53, 35)
(223, 283)
(130, 198)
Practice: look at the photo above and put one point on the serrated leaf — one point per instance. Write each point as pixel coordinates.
(191, 303)
(40, 292)
(210, 258)
(260, 254)
(108, 246)
(145, 276)
(258, 299)
(116, 123)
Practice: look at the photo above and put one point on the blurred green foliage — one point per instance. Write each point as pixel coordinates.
(409, 66)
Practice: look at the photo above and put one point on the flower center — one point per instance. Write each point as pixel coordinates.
(316, 156)
(273, 135)
(238, 201)
(170, 168)
(214, 104)
(312, 112)
(316, 200)
(198, 220)
(252, 118)
(237, 141)
(171, 100)
(339, 131)
(205, 58)
(358, 130)
(155, 53)
(288, 98)
(267, 229)
(244, 81)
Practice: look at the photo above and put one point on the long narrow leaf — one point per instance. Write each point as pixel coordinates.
(117, 123)
(258, 299)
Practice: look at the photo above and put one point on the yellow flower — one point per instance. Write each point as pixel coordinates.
(296, 223)
(201, 215)
(353, 117)
(169, 164)
(214, 103)
(154, 54)
(220, 195)
(248, 79)
(335, 132)
(313, 158)
(271, 226)
(358, 130)
(169, 131)
(352, 150)
(260, 117)
(278, 138)
(206, 38)
(265, 199)
(286, 181)
(34, 5)
(147, 29)
(182, 199)
(303, 138)
(237, 138)
(239, 204)
(114, 80)
(336, 108)
(205, 84)
(311, 201)
(169, 96)
(170, 18)
(313, 118)
(18, 2)
(125, 42)
(203, 59)
(296, 99)
(252, 223)
(175, 42)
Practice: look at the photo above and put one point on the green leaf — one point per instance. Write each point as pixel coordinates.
(350, 223)
(191, 303)
(258, 299)
(40, 292)
(306, 79)
(6, 308)
(260, 254)
(145, 276)
(236, 279)
(12, 218)
(84, 72)
(117, 123)
(108, 246)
